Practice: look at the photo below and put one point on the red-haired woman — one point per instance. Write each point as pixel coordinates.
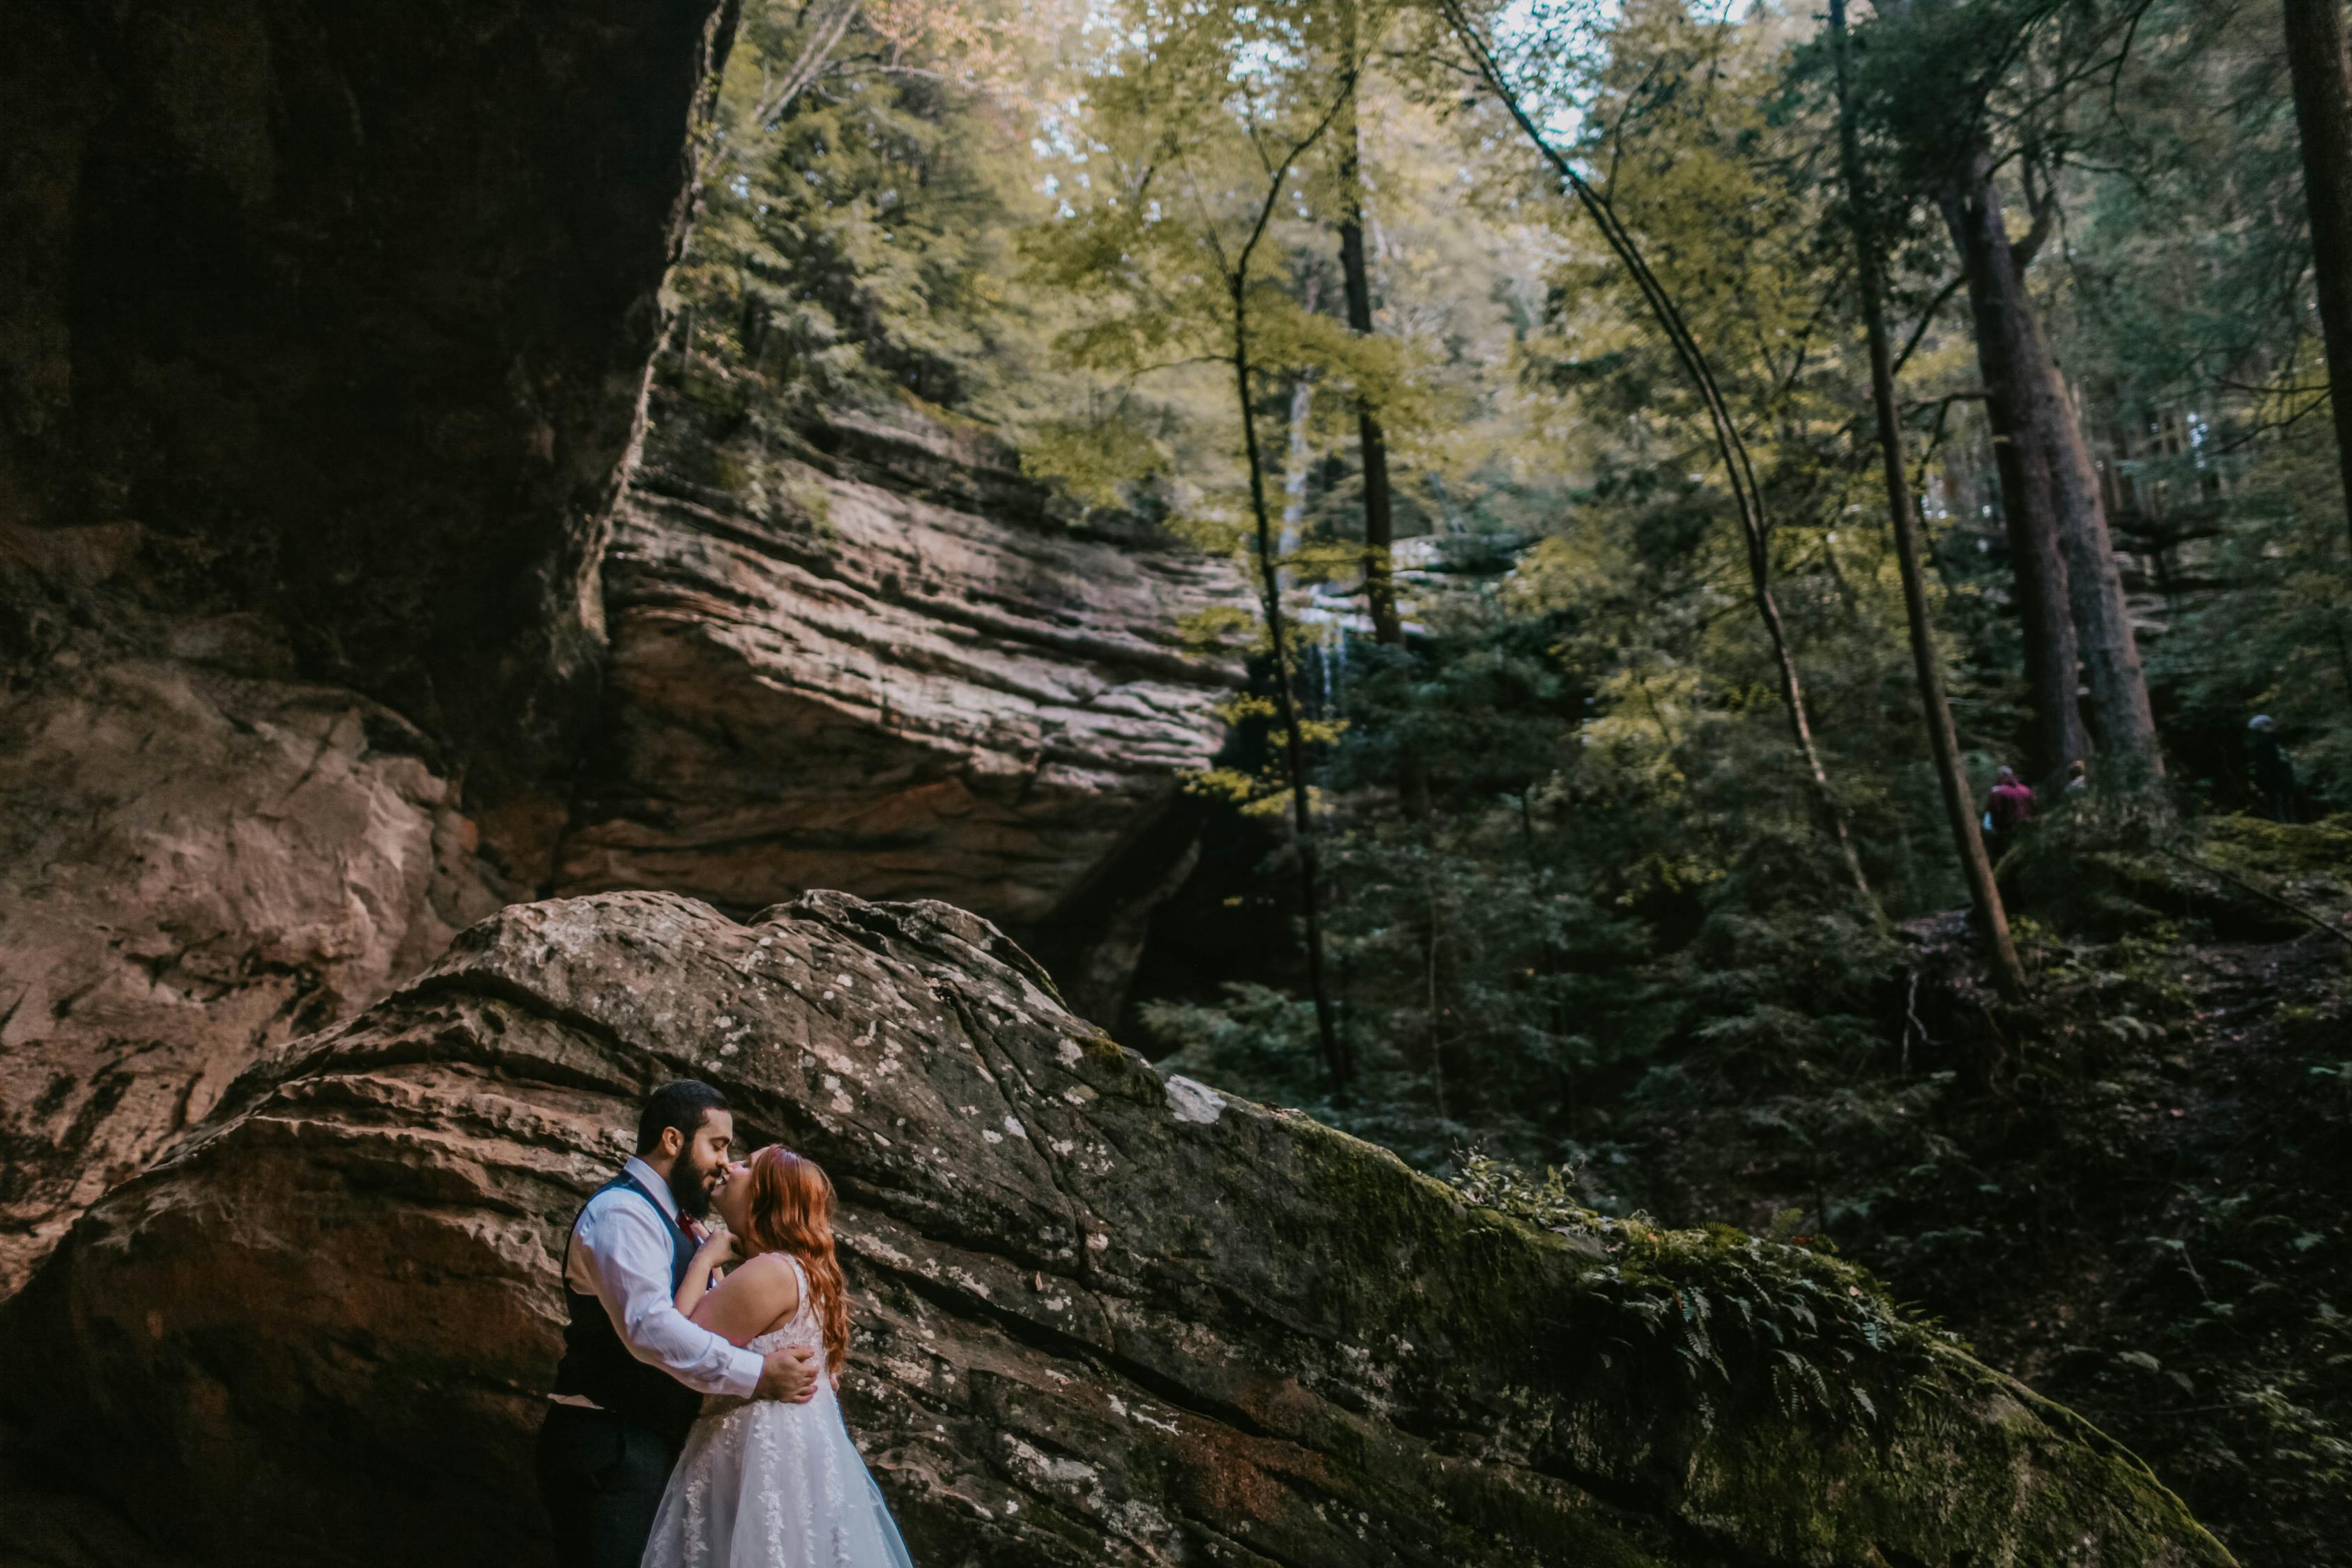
(763, 1484)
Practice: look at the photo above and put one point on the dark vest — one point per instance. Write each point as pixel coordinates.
(597, 1365)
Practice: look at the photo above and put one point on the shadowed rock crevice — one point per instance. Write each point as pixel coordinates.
(354, 307)
(1103, 1318)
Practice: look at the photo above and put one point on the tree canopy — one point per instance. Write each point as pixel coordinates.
(1544, 819)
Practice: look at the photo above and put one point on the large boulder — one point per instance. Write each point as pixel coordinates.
(200, 867)
(1103, 1318)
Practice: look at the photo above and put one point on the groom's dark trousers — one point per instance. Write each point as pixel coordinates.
(615, 1429)
(601, 1478)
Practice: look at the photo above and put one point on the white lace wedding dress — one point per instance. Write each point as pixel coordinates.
(763, 1484)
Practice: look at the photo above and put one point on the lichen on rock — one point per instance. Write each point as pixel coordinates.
(1097, 1325)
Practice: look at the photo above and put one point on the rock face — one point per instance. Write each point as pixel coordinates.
(201, 856)
(877, 664)
(355, 304)
(321, 362)
(1103, 1320)
(203, 866)
(323, 348)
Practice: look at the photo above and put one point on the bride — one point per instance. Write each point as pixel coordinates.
(762, 1484)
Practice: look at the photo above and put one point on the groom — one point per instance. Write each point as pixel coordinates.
(634, 1368)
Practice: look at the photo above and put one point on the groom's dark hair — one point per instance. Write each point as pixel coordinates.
(685, 1105)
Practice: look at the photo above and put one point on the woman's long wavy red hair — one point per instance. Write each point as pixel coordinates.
(792, 1210)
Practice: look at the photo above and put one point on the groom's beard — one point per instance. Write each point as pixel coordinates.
(689, 1183)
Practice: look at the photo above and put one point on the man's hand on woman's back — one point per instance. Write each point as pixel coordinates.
(789, 1374)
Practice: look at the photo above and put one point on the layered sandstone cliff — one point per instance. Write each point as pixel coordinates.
(873, 661)
(318, 389)
(1104, 1319)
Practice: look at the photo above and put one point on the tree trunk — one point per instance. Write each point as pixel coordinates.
(1431, 943)
(2028, 499)
(1960, 800)
(1335, 1062)
(1371, 441)
(2122, 721)
(2029, 396)
(1380, 524)
(2323, 110)
(2063, 553)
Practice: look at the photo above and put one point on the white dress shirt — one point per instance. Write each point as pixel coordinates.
(621, 1254)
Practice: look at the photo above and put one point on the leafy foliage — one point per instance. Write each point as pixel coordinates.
(1579, 910)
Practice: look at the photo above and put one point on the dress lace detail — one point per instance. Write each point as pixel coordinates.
(766, 1485)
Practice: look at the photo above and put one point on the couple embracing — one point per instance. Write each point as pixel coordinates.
(694, 1423)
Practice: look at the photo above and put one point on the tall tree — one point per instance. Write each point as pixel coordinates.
(1959, 803)
(1371, 441)
(1194, 166)
(1945, 107)
(2323, 110)
(1379, 522)
(1995, 288)
(1239, 286)
(1730, 445)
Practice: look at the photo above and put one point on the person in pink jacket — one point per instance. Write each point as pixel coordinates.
(2012, 807)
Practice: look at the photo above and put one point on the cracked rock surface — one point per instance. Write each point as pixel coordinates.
(1102, 1319)
(199, 867)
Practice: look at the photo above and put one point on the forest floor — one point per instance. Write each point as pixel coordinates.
(2131, 1191)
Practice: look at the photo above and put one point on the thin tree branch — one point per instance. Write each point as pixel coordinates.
(1943, 298)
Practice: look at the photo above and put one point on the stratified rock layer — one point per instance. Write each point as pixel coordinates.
(881, 666)
(1103, 1318)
